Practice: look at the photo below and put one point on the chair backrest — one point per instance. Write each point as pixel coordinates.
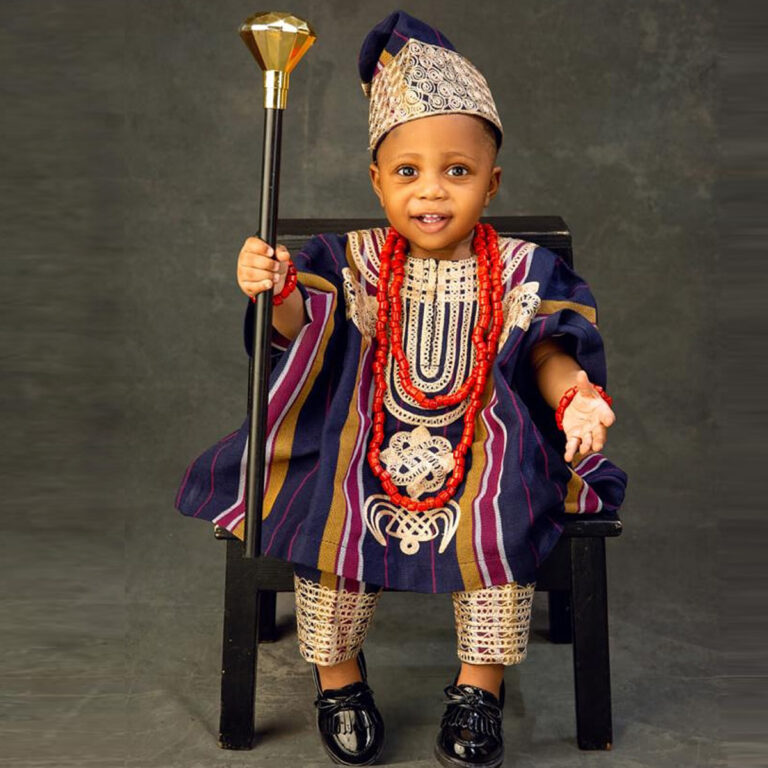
(548, 231)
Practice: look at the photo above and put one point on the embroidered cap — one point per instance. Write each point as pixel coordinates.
(410, 70)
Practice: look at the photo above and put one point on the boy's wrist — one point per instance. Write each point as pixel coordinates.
(289, 317)
(555, 375)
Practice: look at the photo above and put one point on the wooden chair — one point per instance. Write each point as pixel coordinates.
(573, 575)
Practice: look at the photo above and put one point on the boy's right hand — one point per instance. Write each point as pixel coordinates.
(257, 270)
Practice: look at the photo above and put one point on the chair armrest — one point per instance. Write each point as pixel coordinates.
(586, 525)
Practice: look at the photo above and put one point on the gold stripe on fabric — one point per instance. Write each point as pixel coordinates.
(329, 580)
(334, 525)
(549, 307)
(574, 489)
(465, 551)
(284, 438)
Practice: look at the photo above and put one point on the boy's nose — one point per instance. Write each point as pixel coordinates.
(432, 188)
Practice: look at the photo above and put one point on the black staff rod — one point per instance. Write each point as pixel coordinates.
(259, 365)
(277, 41)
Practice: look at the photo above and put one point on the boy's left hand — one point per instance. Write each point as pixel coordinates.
(585, 419)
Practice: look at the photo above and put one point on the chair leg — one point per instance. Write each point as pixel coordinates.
(239, 650)
(267, 616)
(559, 601)
(591, 666)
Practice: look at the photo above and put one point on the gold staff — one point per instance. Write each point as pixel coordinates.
(277, 41)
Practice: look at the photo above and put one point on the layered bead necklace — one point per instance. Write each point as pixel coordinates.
(490, 292)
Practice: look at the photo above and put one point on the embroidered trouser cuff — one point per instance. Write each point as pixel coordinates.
(493, 624)
(333, 615)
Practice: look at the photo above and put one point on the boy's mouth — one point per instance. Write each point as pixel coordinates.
(431, 222)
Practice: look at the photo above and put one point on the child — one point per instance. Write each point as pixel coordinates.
(420, 378)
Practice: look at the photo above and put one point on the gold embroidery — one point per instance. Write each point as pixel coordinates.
(493, 623)
(361, 308)
(331, 624)
(520, 307)
(418, 460)
(412, 528)
(421, 80)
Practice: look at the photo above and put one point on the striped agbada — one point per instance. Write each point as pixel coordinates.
(323, 506)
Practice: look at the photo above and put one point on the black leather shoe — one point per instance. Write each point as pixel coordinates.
(470, 733)
(350, 726)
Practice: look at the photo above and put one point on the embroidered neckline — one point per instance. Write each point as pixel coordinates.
(473, 257)
(365, 245)
(438, 302)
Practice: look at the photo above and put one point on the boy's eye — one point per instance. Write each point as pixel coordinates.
(406, 170)
(458, 170)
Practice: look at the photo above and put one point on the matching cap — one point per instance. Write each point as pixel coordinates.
(410, 70)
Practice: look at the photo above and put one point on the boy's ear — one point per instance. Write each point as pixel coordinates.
(493, 184)
(373, 170)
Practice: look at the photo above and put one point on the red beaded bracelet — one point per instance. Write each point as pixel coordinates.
(569, 395)
(290, 283)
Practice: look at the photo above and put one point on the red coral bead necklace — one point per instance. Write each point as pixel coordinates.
(490, 292)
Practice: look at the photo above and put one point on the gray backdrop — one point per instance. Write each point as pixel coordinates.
(135, 182)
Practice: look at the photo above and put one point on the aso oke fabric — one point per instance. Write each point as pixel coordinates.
(320, 493)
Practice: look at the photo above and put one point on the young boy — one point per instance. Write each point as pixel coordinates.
(428, 362)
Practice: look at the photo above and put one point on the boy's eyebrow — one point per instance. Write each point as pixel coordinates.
(450, 153)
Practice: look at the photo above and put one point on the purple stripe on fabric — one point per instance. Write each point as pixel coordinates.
(589, 501)
(213, 467)
(520, 272)
(494, 447)
(514, 347)
(285, 390)
(555, 524)
(370, 289)
(352, 486)
(332, 255)
(542, 327)
(289, 504)
(400, 35)
(520, 454)
(386, 567)
(589, 464)
(306, 351)
(543, 452)
(432, 560)
(184, 482)
(237, 508)
(293, 538)
(179, 495)
(535, 432)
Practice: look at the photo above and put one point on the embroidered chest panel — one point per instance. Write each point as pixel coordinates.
(440, 309)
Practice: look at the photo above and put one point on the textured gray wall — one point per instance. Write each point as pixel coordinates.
(140, 180)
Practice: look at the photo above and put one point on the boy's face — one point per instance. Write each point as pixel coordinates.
(441, 165)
